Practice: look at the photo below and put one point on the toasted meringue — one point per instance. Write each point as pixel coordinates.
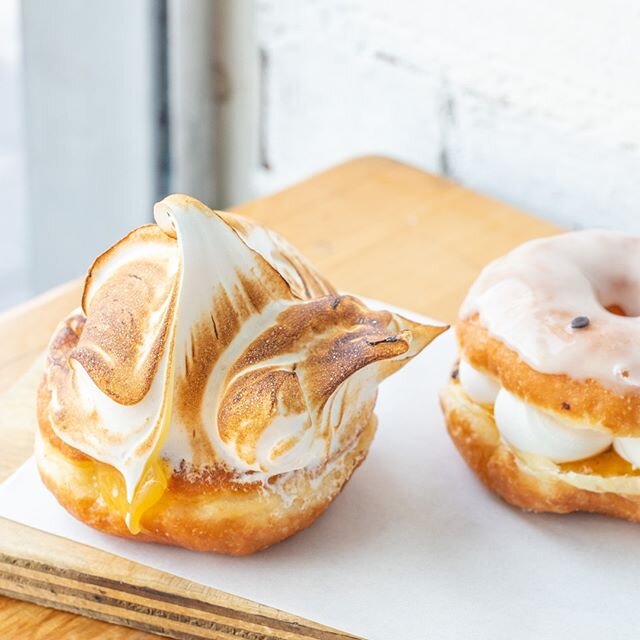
(214, 391)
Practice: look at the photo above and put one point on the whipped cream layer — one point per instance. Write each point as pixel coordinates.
(528, 298)
(208, 341)
(544, 433)
(478, 386)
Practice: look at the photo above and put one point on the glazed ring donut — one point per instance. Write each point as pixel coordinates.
(544, 404)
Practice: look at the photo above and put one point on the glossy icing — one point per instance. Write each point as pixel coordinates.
(529, 297)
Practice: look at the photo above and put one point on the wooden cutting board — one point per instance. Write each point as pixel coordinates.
(373, 226)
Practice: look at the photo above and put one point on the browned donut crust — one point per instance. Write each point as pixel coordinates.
(585, 400)
(206, 513)
(474, 433)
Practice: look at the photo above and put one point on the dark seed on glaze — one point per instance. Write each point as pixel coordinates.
(566, 406)
(580, 322)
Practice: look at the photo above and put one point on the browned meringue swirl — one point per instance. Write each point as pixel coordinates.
(210, 341)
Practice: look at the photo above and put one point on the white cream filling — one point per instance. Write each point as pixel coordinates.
(478, 386)
(533, 431)
(629, 449)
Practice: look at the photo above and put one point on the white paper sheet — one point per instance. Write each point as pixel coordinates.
(414, 543)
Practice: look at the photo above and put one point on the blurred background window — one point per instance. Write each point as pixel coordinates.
(535, 103)
(13, 249)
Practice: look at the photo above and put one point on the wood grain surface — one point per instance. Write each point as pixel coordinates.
(374, 227)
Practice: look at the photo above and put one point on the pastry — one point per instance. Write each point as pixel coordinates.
(544, 405)
(213, 391)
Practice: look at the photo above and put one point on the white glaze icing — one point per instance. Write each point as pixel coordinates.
(477, 385)
(531, 430)
(528, 298)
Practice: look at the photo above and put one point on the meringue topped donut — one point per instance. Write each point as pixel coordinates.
(213, 391)
(545, 402)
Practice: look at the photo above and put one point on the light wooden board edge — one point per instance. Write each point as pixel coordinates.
(134, 596)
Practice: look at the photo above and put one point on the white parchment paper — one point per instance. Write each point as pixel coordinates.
(413, 543)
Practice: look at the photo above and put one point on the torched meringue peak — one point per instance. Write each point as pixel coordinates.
(208, 341)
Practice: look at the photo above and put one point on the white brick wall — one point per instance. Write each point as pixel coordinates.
(536, 103)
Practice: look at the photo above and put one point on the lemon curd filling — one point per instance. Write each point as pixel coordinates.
(150, 489)
(607, 464)
(112, 489)
(130, 503)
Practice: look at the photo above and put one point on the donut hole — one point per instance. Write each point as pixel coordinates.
(618, 293)
(616, 309)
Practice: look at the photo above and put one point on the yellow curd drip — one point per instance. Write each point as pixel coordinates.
(607, 464)
(151, 488)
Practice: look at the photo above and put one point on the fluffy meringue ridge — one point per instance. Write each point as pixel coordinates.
(207, 341)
